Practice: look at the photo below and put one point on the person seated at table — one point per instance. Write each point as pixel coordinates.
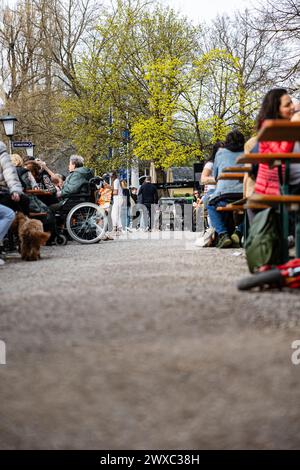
(25, 176)
(56, 178)
(43, 180)
(36, 205)
(277, 104)
(11, 191)
(207, 177)
(28, 182)
(196, 198)
(207, 237)
(77, 181)
(226, 191)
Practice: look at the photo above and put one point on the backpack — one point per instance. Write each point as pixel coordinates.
(262, 245)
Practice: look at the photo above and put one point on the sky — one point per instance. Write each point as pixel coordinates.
(205, 10)
(196, 10)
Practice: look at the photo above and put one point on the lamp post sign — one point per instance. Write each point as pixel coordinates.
(22, 144)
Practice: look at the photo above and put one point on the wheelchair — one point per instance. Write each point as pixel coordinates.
(79, 218)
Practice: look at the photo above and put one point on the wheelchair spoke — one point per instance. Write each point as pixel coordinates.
(86, 223)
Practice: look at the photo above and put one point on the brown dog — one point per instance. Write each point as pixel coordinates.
(31, 236)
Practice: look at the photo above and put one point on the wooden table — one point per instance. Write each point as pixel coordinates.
(38, 192)
(278, 130)
(272, 159)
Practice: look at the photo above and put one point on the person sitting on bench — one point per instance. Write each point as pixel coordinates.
(11, 191)
(226, 191)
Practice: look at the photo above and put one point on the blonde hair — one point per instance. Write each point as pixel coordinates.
(16, 159)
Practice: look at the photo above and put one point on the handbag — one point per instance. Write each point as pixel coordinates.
(262, 245)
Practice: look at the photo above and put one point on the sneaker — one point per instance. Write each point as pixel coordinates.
(2, 262)
(206, 239)
(224, 241)
(107, 237)
(236, 239)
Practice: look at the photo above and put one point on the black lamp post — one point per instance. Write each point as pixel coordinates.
(8, 122)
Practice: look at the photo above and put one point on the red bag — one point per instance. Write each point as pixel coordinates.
(291, 273)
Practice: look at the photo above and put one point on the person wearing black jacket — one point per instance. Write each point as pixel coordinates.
(148, 196)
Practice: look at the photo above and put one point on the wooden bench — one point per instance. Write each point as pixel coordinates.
(241, 205)
(231, 176)
(235, 206)
(237, 169)
(272, 159)
(292, 201)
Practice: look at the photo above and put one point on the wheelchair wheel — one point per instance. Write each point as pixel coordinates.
(86, 223)
(270, 278)
(60, 240)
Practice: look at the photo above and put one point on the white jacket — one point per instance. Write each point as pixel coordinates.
(8, 174)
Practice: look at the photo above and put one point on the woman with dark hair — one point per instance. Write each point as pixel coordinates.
(43, 180)
(226, 191)
(277, 104)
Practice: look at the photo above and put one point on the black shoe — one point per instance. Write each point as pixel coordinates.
(224, 241)
(236, 239)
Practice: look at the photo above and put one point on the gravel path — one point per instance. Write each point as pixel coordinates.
(145, 344)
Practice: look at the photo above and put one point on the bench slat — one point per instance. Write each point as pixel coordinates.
(280, 199)
(231, 176)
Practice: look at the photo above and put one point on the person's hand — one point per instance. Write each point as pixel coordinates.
(41, 163)
(15, 197)
(296, 116)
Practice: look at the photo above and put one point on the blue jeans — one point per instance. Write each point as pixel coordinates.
(7, 216)
(218, 219)
(206, 197)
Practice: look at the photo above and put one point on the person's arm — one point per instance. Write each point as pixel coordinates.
(207, 177)
(72, 185)
(31, 180)
(67, 186)
(155, 196)
(116, 188)
(140, 195)
(10, 176)
(43, 166)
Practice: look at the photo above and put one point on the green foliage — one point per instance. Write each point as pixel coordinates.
(147, 70)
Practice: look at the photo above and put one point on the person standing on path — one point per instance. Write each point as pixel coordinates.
(116, 212)
(148, 196)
